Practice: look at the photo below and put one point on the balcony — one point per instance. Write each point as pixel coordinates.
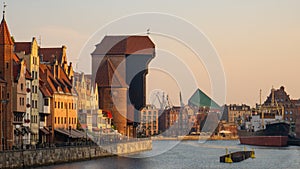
(18, 117)
(46, 110)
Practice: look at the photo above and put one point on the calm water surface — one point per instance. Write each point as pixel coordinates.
(193, 155)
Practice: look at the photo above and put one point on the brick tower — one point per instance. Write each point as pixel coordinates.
(119, 67)
(6, 73)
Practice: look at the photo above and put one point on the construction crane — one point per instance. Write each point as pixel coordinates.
(161, 97)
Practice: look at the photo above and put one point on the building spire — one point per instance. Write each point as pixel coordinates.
(4, 6)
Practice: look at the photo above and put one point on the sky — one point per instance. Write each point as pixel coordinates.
(257, 42)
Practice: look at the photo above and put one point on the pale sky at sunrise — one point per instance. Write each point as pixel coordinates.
(257, 41)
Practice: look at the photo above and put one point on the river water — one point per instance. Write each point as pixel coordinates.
(193, 155)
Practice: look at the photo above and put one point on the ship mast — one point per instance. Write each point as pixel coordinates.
(262, 112)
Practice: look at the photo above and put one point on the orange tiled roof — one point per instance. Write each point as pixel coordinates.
(5, 38)
(54, 84)
(120, 45)
(44, 89)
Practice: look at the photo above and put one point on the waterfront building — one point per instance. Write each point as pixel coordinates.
(90, 117)
(29, 52)
(18, 99)
(233, 113)
(282, 99)
(167, 121)
(6, 74)
(63, 101)
(297, 123)
(119, 67)
(148, 118)
(207, 112)
(44, 110)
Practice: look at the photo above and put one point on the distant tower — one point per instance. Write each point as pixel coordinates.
(6, 74)
(119, 67)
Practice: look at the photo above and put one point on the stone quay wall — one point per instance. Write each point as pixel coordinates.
(50, 156)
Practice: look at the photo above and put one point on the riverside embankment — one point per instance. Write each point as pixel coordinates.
(50, 156)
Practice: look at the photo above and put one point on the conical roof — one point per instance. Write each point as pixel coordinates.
(5, 38)
(200, 99)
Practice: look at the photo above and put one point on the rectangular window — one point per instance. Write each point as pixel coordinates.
(54, 104)
(46, 102)
(65, 120)
(35, 104)
(62, 105)
(58, 120)
(62, 120)
(32, 74)
(55, 120)
(58, 104)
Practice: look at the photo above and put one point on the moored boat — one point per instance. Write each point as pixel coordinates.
(236, 156)
(265, 127)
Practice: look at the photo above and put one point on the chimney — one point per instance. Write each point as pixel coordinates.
(57, 69)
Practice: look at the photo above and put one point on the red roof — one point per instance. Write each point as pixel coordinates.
(5, 38)
(44, 89)
(52, 82)
(108, 75)
(114, 45)
(49, 54)
(23, 46)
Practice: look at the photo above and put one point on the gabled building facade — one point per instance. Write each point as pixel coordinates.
(90, 116)
(63, 100)
(29, 52)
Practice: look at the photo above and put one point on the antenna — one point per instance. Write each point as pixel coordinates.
(4, 6)
(40, 40)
